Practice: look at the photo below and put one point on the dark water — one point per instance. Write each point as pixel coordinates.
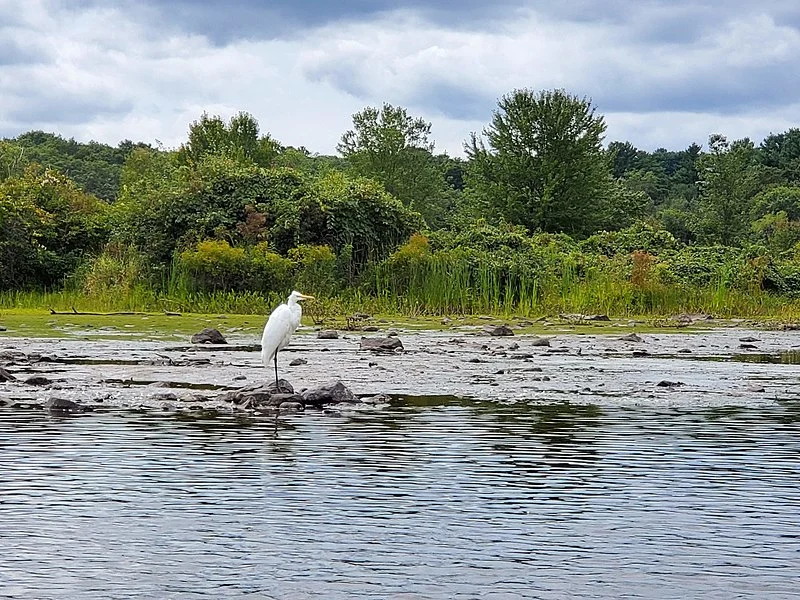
(433, 499)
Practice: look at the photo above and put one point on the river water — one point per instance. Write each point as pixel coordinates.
(430, 498)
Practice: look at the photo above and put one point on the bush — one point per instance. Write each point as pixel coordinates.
(214, 265)
(119, 269)
(316, 270)
(269, 271)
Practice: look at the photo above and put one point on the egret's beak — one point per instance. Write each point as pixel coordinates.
(305, 297)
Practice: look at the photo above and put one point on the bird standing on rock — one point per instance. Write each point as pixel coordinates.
(280, 326)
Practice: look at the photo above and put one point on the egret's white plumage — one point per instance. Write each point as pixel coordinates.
(282, 323)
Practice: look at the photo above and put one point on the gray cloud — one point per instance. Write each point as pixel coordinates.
(662, 72)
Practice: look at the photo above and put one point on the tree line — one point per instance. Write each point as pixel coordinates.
(233, 208)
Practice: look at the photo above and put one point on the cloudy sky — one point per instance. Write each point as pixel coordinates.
(664, 73)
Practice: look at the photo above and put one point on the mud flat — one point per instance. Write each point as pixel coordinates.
(713, 367)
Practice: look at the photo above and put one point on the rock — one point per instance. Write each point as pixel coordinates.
(3, 328)
(10, 356)
(327, 334)
(446, 321)
(755, 388)
(371, 328)
(64, 406)
(209, 335)
(38, 380)
(283, 387)
(251, 398)
(669, 384)
(334, 392)
(515, 346)
(689, 318)
(631, 337)
(297, 362)
(281, 399)
(377, 399)
(6, 376)
(291, 407)
(240, 377)
(498, 330)
(540, 341)
(684, 351)
(383, 344)
(580, 317)
(748, 339)
(748, 347)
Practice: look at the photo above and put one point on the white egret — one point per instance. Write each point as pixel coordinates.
(280, 326)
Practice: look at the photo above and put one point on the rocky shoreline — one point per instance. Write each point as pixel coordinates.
(351, 371)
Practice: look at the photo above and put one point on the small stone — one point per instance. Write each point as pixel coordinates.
(498, 330)
(684, 351)
(291, 407)
(377, 399)
(371, 328)
(62, 405)
(748, 339)
(332, 393)
(3, 328)
(384, 344)
(669, 384)
(327, 334)
(631, 337)
(748, 347)
(6, 376)
(540, 341)
(38, 380)
(297, 362)
(755, 388)
(209, 335)
(240, 377)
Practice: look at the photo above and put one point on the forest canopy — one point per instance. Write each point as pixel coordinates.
(539, 192)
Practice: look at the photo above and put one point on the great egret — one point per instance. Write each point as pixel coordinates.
(280, 326)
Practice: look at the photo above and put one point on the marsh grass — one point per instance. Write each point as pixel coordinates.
(453, 283)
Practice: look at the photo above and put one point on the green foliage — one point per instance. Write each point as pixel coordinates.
(730, 177)
(117, 269)
(94, 167)
(214, 265)
(394, 148)
(541, 164)
(317, 270)
(270, 271)
(47, 226)
(237, 140)
(641, 236)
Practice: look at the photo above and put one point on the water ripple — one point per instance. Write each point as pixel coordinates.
(444, 499)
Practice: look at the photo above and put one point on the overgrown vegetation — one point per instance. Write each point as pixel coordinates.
(539, 218)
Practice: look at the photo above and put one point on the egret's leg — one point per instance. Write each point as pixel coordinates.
(277, 385)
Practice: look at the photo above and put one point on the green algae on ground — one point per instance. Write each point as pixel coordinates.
(35, 324)
(159, 326)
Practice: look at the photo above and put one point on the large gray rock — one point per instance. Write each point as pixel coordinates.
(334, 392)
(209, 335)
(381, 344)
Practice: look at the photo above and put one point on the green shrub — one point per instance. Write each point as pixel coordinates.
(316, 270)
(214, 265)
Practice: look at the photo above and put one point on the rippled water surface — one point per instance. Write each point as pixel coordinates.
(433, 498)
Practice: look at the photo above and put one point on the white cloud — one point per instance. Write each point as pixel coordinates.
(114, 72)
